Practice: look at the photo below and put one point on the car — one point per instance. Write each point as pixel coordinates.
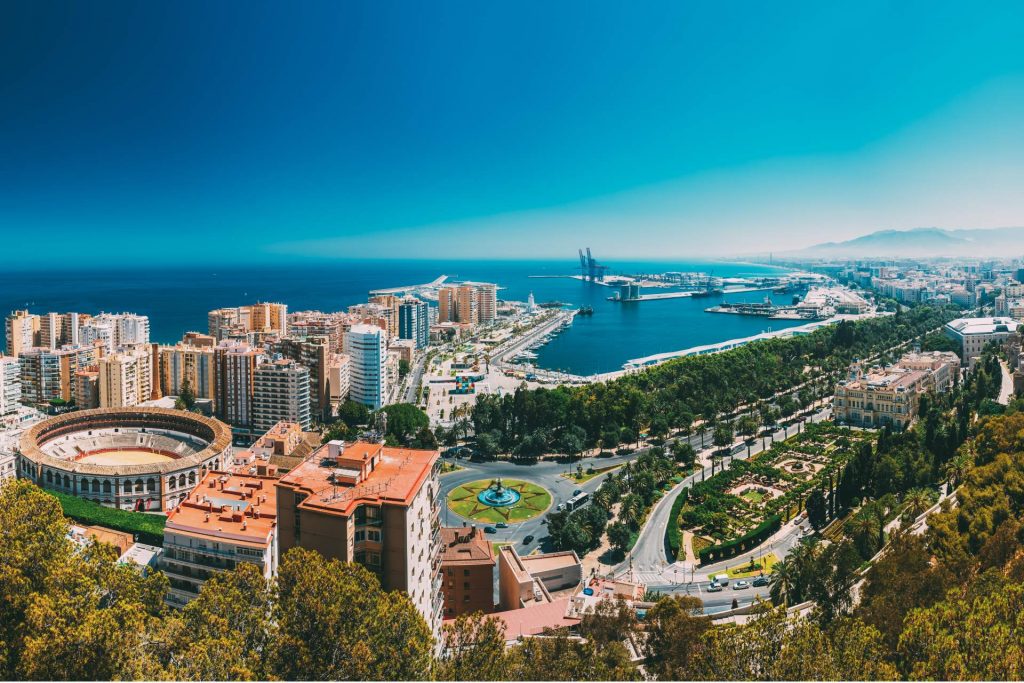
(740, 585)
(490, 530)
(713, 587)
(577, 492)
(761, 581)
(528, 540)
(501, 525)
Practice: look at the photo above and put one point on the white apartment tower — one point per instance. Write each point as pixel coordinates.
(367, 349)
(10, 385)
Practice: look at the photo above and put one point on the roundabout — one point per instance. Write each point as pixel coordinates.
(497, 500)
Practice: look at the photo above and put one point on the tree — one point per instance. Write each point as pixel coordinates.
(558, 657)
(404, 420)
(186, 397)
(611, 621)
(424, 439)
(403, 368)
(473, 649)
(816, 512)
(335, 622)
(747, 426)
(619, 535)
(674, 628)
(684, 454)
(226, 633)
(723, 435)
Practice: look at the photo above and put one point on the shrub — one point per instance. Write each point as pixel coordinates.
(146, 528)
(743, 543)
(673, 535)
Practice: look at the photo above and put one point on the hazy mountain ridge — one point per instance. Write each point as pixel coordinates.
(922, 242)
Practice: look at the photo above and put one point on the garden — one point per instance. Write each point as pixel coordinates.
(742, 506)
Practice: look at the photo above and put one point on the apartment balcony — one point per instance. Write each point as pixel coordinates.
(200, 551)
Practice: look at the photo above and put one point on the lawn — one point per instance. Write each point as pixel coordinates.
(148, 527)
(587, 476)
(753, 496)
(763, 565)
(534, 500)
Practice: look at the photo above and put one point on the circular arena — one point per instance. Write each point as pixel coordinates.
(129, 458)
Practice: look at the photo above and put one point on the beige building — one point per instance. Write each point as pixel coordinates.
(22, 332)
(468, 303)
(87, 388)
(943, 367)
(194, 364)
(125, 378)
(527, 581)
(338, 378)
(261, 319)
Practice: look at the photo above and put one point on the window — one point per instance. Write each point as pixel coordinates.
(465, 598)
(465, 585)
(465, 572)
(374, 536)
(360, 536)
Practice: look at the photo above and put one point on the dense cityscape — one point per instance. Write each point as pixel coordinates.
(412, 440)
(511, 341)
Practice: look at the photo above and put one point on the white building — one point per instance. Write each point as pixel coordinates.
(367, 348)
(115, 330)
(975, 333)
(10, 385)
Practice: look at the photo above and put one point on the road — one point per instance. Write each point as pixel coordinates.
(413, 379)
(1006, 388)
(546, 473)
(649, 557)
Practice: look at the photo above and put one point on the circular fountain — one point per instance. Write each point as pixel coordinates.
(497, 496)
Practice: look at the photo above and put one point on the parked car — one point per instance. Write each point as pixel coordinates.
(490, 530)
(714, 587)
(761, 581)
(528, 540)
(740, 585)
(501, 525)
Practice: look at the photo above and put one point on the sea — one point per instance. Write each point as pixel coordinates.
(177, 299)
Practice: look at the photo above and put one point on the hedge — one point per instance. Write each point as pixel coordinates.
(673, 535)
(743, 543)
(145, 528)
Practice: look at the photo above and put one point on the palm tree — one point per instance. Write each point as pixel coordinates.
(956, 469)
(783, 589)
(863, 530)
(917, 501)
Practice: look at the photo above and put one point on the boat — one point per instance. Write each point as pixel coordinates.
(585, 310)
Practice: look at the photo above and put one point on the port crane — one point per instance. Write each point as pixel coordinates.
(590, 268)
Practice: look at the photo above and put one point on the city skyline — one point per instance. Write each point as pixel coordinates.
(508, 132)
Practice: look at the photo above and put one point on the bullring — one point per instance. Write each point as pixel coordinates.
(129, 458)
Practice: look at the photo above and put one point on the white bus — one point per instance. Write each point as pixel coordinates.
(577, 501)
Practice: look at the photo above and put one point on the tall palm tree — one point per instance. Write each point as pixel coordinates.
(784, 589)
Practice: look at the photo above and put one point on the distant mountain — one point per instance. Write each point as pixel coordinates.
(924, 242)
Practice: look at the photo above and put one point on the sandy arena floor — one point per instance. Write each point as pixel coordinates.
(125, 457)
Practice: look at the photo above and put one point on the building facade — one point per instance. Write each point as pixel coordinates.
(280, 394)
(228, 519)
(21, 332)
(125, 378)
(373, 505)
(975, 333)
(366, 347)
(235, 382)
(414, 321)
(467, 571)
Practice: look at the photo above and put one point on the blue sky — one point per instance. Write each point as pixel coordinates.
(196, 131)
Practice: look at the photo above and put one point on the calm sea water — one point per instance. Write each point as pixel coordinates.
(177, 300)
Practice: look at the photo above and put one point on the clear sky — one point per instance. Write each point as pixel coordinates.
(201, 131)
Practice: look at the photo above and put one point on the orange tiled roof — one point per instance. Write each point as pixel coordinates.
(239, 508)
(386, 476)
(465, 546)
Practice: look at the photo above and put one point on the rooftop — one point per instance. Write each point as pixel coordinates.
(535, 619)
(337, 478)
(465, 546)
(240, 508)
(965, 326)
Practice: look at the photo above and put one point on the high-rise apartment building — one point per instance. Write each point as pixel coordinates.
(468, 303)
(414, 321)
(389, 304)
(115, 330)
(339, 374)
(193, 364)
(467, 571)
(10, 385)
(303, 324)
(125, 377)
(22, 332)
(49, 374)
(315, 354)
(235, 381)
(87, 388)
(373, 505)
(238, 323)
(366, 347)
(280, 394)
